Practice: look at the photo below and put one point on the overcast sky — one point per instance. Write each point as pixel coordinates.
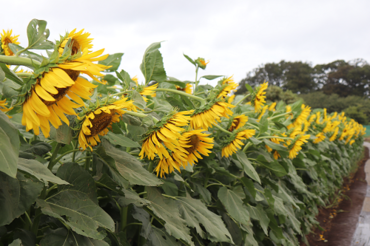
(236, 36)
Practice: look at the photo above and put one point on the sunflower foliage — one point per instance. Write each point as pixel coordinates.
(160, 161)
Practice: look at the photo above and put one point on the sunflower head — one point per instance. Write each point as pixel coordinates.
(201, 63)
(6, 39)
(77, 41)
(259, 98)
(238, 122)
(186, 89)
(227, 85)
(234, 141)
(96, 121)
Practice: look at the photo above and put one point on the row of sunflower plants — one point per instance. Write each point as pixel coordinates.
(90, 156)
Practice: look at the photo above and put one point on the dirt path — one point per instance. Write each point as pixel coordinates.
(340, 230)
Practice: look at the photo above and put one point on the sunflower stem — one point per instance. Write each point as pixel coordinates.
(124, 211)
(247, 146)
(87, 161)
(135, 114)
(222, 129)
(183, 94)
(276, 116)
(54, 155)
(150, 167)
(196, 78)
(241, 100)
(13, 60)
(274, 137)
(51, 165)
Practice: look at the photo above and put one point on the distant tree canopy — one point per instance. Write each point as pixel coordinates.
(338, 77)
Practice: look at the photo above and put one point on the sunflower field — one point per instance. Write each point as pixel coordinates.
(90, 155)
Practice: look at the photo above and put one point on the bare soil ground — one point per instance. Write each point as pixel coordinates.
(339, 221)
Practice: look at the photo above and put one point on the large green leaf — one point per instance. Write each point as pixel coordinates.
(234, 205)
(152, 64)
(131, 197)
(130, 168)
(79, 179)
(39, 171)
(159, 237)
(9, 146)
(168, 210)
(37, 35)
(17, 195)
(77, 210)
(113, 60)
(63, 237)
(120, 140)
(273, 165)
(247, 166)
(195, 214)
(259, 214)
(63, 134)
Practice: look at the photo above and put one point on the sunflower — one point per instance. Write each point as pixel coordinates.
(149, 91)
(136, 80)
(7, 38)
(288, 110)
(79, 41)
(352, 141)
(168, 134)
(167, 165)
(334, 136)
(231, 99)
(276, 140)
(259, 99)
(272, 106)
(238, 121)
(297, 146)
(209, 117)
(235, 144)
(187, 88)
(3, 106)
(319, 137)
(195, 143)
(98, 121)
(49, 102)
(84, 64)
(262, 113)
(228, 85)
(201, 63)
(306, 110)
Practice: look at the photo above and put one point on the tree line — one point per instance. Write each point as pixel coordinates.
(338, 86)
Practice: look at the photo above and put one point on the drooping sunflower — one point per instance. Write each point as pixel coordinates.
(3, 106)
(334, 136)
(259, 99)
(167, 165)
(187, 89)
(319, 137)
(306, 110)
(264, 109)
(79, 41)
(297, 146)
(148, 91)
(165, 135)
(6, 39)
(195, 143)
(272, 106)
(97, 122)
(228, 85)
(48, 101)
(236, 143)
(209, 116)
(238, 122)
(352, 141)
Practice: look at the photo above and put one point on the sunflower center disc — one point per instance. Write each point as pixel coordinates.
(100, 122)
(194, 142)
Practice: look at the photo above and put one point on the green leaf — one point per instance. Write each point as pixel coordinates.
(161, 105)
(121, 140)
(159, 237)
(259, 214)
(152, 64)
(79, 179)
(11, 75)
(16, 242)
(77, 210)
(63, 237)
(195, 213)
(203, 192)
(278, 169)
(170, 188)
(234, 205)
(63, 134)
(264, 124)
(270, 200)
(15, 48)
(189, 59)
(210, 77)
(40, 148)
(9, 146)
(130, 168)
(275, 146)
(37, 35)
(131, 197)
(167, 210)
(2, 75)
(39, 171)
(249, 185)
(113, 60)
(138, 100)
(247, 166)
(249, 88)
(17, 195)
